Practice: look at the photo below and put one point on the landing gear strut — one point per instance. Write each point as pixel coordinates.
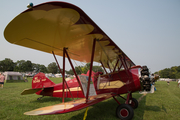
(125, 111)
(40, 98)
(133, 103)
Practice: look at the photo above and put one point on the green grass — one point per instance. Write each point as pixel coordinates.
(164, 104)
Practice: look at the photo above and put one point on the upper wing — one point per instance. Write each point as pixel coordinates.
(52, 26)
(70, 106)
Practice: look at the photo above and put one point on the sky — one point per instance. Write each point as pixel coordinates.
(147, 31)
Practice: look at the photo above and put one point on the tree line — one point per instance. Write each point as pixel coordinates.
(172, 73)
(27, 66)
(21, 66)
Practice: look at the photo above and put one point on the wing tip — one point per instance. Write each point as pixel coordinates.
(33, 112)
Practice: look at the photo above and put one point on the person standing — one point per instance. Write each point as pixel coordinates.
(178, 83)
(2, 78)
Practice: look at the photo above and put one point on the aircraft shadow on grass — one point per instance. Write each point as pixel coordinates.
(139, 112)
(52, 99)
(102, 110)
(106, 110)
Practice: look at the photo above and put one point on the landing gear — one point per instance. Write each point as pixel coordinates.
(40, 98)
(124, 112)
(133, 103)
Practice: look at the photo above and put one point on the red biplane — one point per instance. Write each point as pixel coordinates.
(65, 30)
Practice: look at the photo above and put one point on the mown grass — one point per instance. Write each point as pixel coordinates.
(164, 104)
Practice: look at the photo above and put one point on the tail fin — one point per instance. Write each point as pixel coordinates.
(41, 81)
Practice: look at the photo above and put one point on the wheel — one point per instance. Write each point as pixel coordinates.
(39, 98)
(124, 112)
(134, 103)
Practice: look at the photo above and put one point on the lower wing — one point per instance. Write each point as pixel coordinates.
(70, 106)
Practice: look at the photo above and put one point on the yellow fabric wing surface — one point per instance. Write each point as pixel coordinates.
(54, 29)
(69, 106)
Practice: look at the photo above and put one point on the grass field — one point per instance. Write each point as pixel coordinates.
(164, 104)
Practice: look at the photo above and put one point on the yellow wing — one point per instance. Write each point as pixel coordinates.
(52, 26)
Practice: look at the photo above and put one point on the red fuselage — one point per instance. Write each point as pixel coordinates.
(118, 82)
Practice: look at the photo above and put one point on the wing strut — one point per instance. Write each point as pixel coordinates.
(109, 67)
(116, 65)
(125, 67)
(106, 56)
(119, 68)
(103, 66)
(124, 64)
(91, 65)
(74, 70)
(62, 74)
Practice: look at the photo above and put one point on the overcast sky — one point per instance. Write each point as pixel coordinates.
(147, 31)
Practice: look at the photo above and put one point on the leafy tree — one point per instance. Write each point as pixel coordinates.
(39, 68)
(43, 69)
(28, 66)
(35, 67)
(78, 70)
(97, 69)
(7, 65)
(84, 70)
(70, 72)
(52, 68)
(165, 73)
(178, 69)
(173, 72)
(23, 66)
(81, 69)
(19, 66)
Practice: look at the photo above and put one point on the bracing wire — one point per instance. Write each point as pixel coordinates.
(77, 66)
(110, 61)
(85, 66)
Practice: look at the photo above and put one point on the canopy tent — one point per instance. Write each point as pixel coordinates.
(13, 75)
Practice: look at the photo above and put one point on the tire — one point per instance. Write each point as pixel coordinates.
(134, 103)
(39, 98)
(124, 112)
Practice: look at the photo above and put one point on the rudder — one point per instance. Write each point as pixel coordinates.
(41, 81)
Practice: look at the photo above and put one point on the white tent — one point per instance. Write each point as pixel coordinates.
(13, 75)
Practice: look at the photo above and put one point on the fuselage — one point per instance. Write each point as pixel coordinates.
(118, 82)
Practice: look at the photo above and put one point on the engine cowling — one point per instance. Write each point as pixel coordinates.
(145, 79)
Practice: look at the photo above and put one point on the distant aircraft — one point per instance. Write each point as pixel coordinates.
(65, 30)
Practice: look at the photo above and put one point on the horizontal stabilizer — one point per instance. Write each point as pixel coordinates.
(30, 91)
